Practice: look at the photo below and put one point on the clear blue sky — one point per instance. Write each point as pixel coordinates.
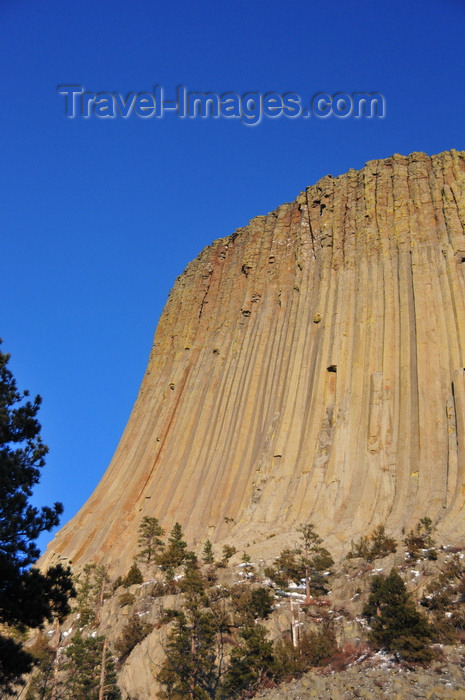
(99, 216)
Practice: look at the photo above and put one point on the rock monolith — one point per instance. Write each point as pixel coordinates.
(309, 367)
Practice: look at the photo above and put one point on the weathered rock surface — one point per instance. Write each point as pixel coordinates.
(368, 675)
(378, 678)
(308, 367)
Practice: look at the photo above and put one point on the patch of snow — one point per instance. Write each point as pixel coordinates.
(363, 623)
(296, 587)
(288, 594)
(360, 659)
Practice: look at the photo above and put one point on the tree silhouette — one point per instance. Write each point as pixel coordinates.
(28, 597)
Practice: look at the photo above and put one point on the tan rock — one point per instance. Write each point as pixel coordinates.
(308, 367)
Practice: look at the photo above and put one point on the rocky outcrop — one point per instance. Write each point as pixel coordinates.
(308, 367)
(378, 677)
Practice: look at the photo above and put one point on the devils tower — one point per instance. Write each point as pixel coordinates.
(309, 367)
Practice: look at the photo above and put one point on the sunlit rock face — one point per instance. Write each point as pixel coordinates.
(310, 367)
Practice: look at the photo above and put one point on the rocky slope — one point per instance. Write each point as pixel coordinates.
(378, 677)
(355, 671)
(308, 367)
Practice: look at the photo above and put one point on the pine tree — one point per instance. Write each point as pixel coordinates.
(374, 546)
(421, 539)
(250, 663)
(150, 532)
(381, 543)
(315, 559)
(199, 663)
(396, 624)
(134, 576)
(177, 672)
(286, 568)
(87, 657)
(307, 562)
(41, 683)
(28, 597)
(93, 584)
(85, 599)
(315, 649)
(209, 561)
(195, 648)
(247, 567)
(194, 663)
(193, 584)
(208, 557)
(101, 588)
(133, 633)
(175, 553)
(228, 552)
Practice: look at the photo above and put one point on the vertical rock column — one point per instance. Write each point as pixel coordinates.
(308, 367)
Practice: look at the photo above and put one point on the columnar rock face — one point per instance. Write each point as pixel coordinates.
(310, 367)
